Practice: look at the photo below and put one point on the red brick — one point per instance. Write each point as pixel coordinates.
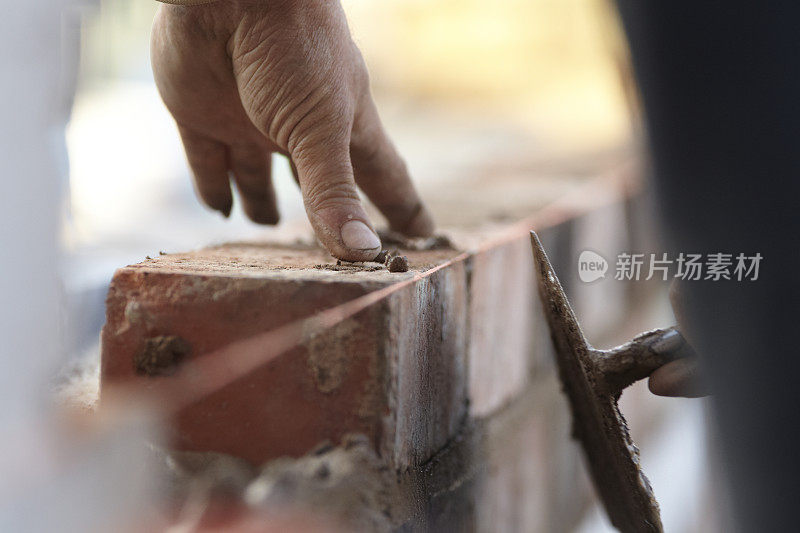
(533, 478)
(501, 306)
(425, 350)
(370, 372)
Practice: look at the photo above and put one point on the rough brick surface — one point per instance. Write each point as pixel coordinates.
(368, 373)
(502, 301)
(513, 471)
(532, 479)
(425, 350)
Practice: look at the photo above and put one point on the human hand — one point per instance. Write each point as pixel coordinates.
(248, 78)
(681, 377)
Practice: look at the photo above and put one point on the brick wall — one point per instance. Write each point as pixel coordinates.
(265, 351)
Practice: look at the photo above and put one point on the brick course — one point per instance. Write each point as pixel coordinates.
(287, 349)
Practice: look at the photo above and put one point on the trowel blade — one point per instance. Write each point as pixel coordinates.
(598, 425)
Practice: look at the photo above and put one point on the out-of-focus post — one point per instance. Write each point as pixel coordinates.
(50, 480)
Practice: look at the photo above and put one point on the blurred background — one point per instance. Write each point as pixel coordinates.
(465, 87)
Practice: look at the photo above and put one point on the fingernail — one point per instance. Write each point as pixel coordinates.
(357, 236)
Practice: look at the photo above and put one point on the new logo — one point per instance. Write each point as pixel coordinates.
(591, 266)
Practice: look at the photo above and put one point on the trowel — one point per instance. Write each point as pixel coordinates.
(593, 381)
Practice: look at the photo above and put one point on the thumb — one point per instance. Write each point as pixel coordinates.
(329, 192)
(681, 377)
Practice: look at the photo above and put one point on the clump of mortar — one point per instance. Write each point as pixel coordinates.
(348, 482)
(161, 355)
(398, 263)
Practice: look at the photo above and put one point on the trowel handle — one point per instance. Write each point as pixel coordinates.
(637, 359)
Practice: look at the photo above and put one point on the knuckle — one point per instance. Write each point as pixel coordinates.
(369, 154)
(288, 93)
(319, 118)
(327, 194)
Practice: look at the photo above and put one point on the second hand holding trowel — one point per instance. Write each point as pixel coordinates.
(593, 381)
